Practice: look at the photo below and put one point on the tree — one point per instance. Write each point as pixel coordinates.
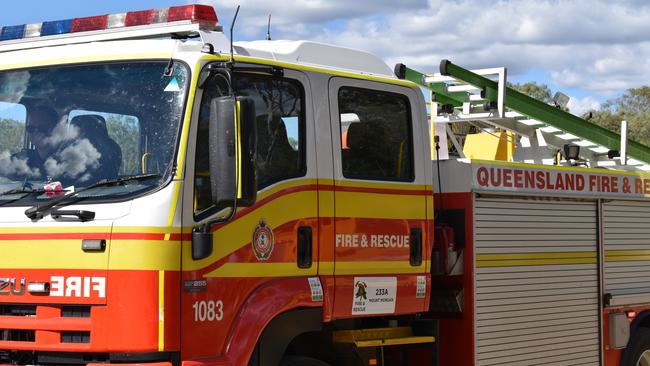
(634, 107)
(532, 89)
(11, 136)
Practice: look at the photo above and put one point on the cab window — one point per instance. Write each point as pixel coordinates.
(279, 107)
(376, 138)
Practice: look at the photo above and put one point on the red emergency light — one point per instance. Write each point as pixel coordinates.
(203, 15)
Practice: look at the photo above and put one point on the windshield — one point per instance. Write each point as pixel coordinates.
(65, 128)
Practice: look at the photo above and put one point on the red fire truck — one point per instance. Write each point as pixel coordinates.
(169, 197)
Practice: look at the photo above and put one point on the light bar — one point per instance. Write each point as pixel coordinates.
(203, 15)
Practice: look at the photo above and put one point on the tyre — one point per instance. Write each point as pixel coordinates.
(302, 361)
(637, 352)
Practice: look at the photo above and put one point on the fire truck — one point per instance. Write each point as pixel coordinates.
(169, 197)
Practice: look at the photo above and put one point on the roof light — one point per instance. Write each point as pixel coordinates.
(33, 30)
(203, 15)
(138, 18)
(57, 27)
(116, 20)
(12, 32)
(89, 23)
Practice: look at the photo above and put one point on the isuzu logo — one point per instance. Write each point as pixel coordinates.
(12, 286)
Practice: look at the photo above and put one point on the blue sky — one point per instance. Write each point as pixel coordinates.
(562, 43)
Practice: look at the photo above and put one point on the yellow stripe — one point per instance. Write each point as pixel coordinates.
(384, 185)
(145, 255)
(147, 229)
(285, 185)
(353, 75)
(285, 269)
(535, 262)
(182, 151)
(93, 58)
(627, 255)
(377, 267)
(50, 254)
(326, 268)
(379, 206)
(161, 311)
(550, 255)
(173, 205)
(535, 259)
(289, 269)
(67, 254)
(236, 234)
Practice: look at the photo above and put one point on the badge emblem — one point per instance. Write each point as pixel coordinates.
(263, 241)
(361, 291)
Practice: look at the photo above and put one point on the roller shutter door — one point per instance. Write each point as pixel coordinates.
(536, 283)
(626, 233)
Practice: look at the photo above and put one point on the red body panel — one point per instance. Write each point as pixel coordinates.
(456, 340)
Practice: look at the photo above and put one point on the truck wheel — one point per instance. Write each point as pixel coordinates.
(302, 361)
(638, 349)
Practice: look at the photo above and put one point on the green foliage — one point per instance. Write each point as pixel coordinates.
(12, 135)
(634, 107)
(126, 132)
(532, 89)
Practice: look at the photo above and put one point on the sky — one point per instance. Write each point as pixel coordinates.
(591, 50)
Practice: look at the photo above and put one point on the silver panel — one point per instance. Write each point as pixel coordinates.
(626, 234)
(537, 288)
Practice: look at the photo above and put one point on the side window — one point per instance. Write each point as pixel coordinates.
(122, 131)
(12, 125)
(376, 138)
(279, 106)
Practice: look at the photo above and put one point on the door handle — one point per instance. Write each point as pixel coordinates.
(304, 247)
(415, 247)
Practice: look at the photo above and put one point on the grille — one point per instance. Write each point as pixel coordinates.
(17, 310)
(17, 335)
(30, 317)
(75, 312)
(75, 337)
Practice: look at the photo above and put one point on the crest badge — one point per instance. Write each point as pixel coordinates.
(263, 241)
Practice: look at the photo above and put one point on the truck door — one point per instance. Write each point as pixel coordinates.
(380, 192)
(263, 244)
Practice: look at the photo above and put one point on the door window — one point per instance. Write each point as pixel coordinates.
(376, 142)
(279, 107)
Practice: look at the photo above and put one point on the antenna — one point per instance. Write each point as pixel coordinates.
(268, 30)
(232, 26)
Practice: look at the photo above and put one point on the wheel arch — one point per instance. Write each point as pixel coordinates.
(281, 331)
(276, 302)
(641, 320)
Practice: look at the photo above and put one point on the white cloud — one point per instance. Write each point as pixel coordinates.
(580, 106)
(75, 161)
(62, 132)
(599, 46)
(12, 166)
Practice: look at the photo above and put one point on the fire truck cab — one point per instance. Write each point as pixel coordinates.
(166, 201)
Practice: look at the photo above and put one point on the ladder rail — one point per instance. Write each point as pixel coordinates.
(528, 106)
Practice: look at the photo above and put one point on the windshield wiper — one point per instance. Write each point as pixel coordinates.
(22, 190)
(25, 191)
(36, 212)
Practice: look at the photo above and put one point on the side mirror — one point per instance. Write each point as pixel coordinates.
(233, 142)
